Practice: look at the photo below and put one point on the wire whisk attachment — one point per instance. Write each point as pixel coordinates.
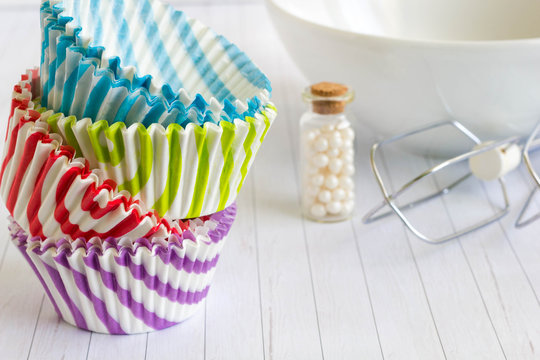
(486, 161)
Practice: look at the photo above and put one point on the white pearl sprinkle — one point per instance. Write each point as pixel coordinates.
(318, 210)
(336, 142)
(320, 160)
(327, 179)
(348, 159)
(346, 182)
(348, 169)
(324, 196)
(347, 134)
(335, 165)
(332, 152)
(338, 194)
(315, 132)
(321, 144)
(317, 180)
(336, 133)
(343, 125)
(311, 135)
(328, 128)
(331, 182)
(334, 207)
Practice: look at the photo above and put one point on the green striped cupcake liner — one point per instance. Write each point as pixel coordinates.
(179, 172)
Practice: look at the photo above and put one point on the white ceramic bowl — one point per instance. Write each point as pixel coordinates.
(417, 61)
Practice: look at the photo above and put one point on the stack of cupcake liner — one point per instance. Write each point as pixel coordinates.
(224, 152)
(123, 159)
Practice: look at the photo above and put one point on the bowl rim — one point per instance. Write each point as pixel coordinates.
(408, 41)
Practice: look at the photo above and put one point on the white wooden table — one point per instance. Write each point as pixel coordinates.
(287, 288)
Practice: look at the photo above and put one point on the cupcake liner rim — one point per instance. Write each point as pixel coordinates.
(156, 245)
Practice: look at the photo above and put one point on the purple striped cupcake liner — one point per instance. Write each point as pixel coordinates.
(124, 286)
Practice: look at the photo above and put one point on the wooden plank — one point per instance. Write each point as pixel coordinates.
(402, 311)
(462, 320)
(509, 277)
(233, 308)
(496, 269)
(290, 317)
(343, 302)
(523, 241)
(104, 347)
(21, 294)
(497, 272)
(5, 240)
(287, 294)
(51, 334)
(20, 304)
(183, 341)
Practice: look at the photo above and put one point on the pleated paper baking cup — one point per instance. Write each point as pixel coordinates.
(52, 194)
(97, 94)
(181, 56)
(122, 286)
(177, 172)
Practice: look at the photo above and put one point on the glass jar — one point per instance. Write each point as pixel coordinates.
(327, 154)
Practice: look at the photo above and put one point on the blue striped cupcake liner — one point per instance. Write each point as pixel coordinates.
(95, 93)
(92, 53)
(126, 286)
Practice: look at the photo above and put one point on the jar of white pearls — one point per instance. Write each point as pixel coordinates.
(327, 154)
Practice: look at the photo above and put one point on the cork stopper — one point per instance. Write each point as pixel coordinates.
(336, 95)
(328, 89)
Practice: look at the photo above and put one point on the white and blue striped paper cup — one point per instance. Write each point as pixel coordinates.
(126, 286)
(113, 56)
